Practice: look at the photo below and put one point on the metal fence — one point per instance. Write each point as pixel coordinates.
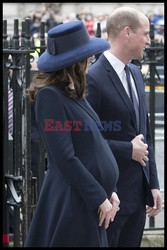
(21, 183)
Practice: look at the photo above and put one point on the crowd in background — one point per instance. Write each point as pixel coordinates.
(52, 18)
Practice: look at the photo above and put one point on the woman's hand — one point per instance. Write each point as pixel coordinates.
(105, 213)
(115, 204)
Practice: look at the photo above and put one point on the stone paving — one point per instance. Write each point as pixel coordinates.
(153, 239)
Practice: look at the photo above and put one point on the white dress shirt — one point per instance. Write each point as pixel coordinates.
(119, 68)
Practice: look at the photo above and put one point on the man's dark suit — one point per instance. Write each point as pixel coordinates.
(109, 99)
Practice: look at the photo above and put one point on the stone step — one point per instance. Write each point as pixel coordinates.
(153, 238)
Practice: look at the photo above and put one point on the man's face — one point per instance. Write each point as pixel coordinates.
(140, 40)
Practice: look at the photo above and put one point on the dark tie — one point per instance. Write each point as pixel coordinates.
(132, 95)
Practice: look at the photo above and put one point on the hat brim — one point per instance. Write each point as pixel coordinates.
(49, 62)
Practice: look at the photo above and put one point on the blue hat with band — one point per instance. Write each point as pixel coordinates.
(68, 44)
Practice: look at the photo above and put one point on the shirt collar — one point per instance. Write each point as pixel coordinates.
(115, 62)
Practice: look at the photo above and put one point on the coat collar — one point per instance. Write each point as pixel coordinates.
(83, 103)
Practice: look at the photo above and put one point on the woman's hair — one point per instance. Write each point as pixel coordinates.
(62, 78)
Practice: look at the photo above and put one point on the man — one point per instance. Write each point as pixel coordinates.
(126, 124)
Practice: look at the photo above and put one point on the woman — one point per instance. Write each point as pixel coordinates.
(74, 207)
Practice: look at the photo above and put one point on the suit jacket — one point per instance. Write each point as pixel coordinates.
(82, 173)
(109, 99)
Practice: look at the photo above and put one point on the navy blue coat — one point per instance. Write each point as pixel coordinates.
(82, 173)
(109, 99)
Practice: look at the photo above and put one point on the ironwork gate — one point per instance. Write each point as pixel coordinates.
(20, 185)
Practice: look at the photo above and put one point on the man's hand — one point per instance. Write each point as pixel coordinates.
(139, 150)
(156, 209)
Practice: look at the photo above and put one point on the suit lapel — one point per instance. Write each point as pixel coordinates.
(119, 87)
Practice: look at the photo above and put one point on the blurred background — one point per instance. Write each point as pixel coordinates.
(91, 13)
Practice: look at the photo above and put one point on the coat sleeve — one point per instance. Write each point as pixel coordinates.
(59, 146)
(120, 149)
(154, 183)
(153, 174)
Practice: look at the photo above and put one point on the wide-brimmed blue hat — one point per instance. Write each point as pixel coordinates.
(68, 44)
